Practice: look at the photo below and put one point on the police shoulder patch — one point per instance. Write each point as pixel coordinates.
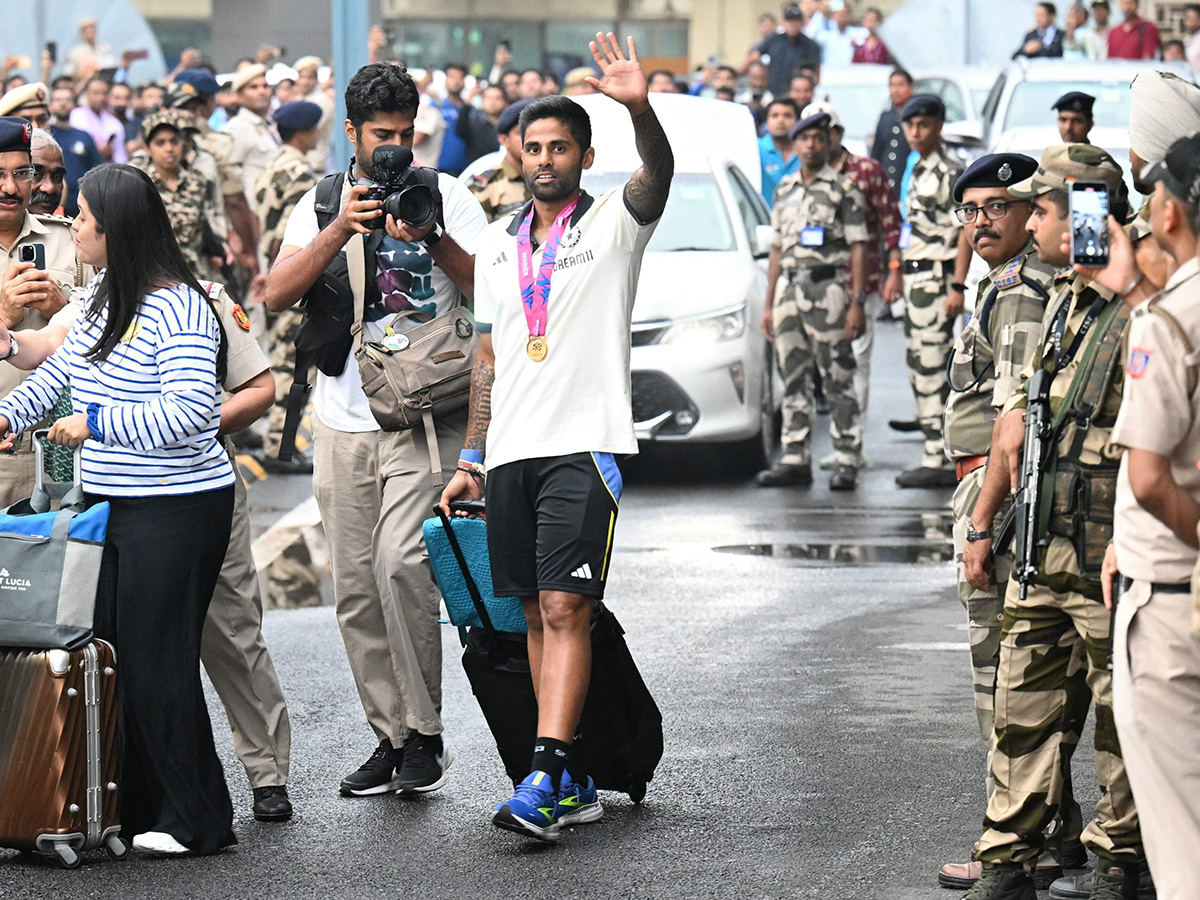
(1139, 361)
(239, 316)
(483, 177)
(1010, 275)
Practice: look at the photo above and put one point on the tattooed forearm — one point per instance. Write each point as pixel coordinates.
(646, 192)
(480, 417)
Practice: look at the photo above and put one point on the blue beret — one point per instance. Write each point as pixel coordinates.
(1075, 101)
(15, 134)
(510, 116)
(298, 115)
(821, 120)
(923, 105)
(199, 79)
(1000, 170)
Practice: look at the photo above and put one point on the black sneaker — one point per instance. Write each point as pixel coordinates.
(844, 478)
(271, 804)
(1002, 882)
(426, 759)
(1107, 880)
(376, 776)
(784, 475)
(905, 425)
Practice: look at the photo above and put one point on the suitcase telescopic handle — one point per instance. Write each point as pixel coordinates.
(472, 587)
(69, 494)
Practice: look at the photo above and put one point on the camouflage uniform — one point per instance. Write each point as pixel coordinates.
(1034, 689)
(810, 316)
(929, 257)
(187, 208)
(500, 190)
(288, 178)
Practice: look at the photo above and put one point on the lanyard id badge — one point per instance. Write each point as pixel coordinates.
(812, 236)
(905, 235)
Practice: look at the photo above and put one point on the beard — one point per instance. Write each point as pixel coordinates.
(39, 200)
(564, 186)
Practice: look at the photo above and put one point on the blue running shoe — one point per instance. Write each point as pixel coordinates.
(577, 803)
(531, 811)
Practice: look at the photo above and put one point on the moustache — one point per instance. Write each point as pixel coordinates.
(15, 198)
(39, 197)
(981, 233)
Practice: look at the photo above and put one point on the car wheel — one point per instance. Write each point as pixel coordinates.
(762, 450)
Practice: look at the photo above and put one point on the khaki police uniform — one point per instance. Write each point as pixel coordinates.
(17, 469)
(928, 255)
(254, 146)
(815, 223)
(1156, 656)
(220, 146)
(500, 191)
(1037, 658)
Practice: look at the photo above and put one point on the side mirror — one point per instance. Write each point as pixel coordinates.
(967, 132)
(763, 235)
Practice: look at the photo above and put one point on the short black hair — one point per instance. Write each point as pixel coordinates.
(657, 72)
(565, 110)
(380, 87)
(68, 82)
(1192, 7)
(730, 69)
(901, 73)
(811, 83)
(455, 65)
(1050, 8)
(725, 93)
(784, 101)
(100, 78)
(537, 72)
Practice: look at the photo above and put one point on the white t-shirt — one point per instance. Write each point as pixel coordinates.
(407, 278)
(577, 400)
(429, 121)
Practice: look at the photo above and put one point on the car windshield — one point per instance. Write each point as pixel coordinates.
(1031, 102)
(858, 106)
(695, 217)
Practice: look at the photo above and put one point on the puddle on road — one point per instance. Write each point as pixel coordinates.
(932, 545)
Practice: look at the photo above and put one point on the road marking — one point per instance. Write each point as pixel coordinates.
(931, 645)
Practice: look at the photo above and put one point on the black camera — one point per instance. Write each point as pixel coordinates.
(409, 195)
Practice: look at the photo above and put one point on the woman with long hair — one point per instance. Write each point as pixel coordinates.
(144, 362)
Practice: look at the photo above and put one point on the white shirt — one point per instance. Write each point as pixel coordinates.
(429, 122)
(407, 278)
(577, 400)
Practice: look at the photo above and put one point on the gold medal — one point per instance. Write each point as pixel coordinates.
(537, 348)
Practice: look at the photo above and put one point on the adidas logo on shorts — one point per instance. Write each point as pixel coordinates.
(584, 571)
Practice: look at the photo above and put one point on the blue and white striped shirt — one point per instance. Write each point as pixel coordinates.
(158, 395)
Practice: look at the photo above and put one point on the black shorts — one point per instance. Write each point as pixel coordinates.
(551, 522)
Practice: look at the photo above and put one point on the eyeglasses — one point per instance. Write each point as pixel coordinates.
(21, 174)
(992, 211)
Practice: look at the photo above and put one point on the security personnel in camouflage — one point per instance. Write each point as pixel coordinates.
(502, 189)
(820, 225)
(288, 178)
(935, 257)
(985, 366)
(1081, 347)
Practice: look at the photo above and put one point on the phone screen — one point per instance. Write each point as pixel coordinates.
(1089, 224)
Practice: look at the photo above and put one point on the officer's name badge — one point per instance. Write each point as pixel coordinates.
(1011, 276)
(1139, 361)
(239, 316)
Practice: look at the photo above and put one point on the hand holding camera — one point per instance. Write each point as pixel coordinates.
(409, 198)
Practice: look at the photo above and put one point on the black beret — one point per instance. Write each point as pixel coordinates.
(1000, 170)
(298, 115)
(1179, 170)
(923, 105)
(512, 113)
(15, 134)
(821, 120)
(1075, 101)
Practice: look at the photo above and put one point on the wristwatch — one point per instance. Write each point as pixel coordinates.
(13, 349)
(958, 286)
(973, 535)
(434, 235)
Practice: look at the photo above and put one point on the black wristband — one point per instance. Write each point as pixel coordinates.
(435, 235)
(958, 286)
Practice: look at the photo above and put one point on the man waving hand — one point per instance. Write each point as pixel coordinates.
(550, 404)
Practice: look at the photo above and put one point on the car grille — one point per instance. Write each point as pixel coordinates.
(654, 394)
(644, 337)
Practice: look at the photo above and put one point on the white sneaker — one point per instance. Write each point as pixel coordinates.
(158, 843)
(829, 463)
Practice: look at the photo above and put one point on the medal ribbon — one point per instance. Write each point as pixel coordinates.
(535, 292)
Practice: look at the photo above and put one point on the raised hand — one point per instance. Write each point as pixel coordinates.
(623, 79)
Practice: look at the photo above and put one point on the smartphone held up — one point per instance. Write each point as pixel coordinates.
(1089, 224)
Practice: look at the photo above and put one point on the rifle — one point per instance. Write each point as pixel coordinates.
(1037, 432)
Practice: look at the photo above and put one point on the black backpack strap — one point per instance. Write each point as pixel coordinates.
(472, 588)
(328, 201)
(296, 401)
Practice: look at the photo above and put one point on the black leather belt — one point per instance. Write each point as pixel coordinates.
(912, 266)
(819, 273)
(1124, 583)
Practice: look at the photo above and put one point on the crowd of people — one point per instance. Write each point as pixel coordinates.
(161, 210)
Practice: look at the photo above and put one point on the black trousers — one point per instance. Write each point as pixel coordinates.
(161, 560)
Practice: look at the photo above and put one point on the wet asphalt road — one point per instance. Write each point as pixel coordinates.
(820, 736)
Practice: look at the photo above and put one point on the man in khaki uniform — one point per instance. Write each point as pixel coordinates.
(254, 140)
(1080, 353)
(308, 87)
(28, 297)
(502, 190)
(232, 649)
(1156, 652)
(985, 367)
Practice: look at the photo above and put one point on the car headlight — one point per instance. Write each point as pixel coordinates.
(711, 328)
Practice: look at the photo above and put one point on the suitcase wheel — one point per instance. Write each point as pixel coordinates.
(115, 847)
(67, 858)
(637, 792)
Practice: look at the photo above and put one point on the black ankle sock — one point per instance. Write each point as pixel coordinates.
(550, 756)
(574, 765)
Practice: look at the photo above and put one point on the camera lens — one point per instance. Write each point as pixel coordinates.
(414, 206)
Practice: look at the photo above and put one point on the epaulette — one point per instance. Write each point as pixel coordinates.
(1010, 275)
(54, 220)
(483, 177)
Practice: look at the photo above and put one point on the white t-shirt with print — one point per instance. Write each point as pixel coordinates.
(577, 400)
(407, 278)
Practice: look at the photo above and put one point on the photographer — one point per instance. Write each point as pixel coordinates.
(374, 488)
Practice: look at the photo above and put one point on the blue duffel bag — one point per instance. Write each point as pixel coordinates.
(50, 564)
(461, 567)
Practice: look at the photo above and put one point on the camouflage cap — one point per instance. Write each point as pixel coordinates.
(179, 119)
(1066, 163)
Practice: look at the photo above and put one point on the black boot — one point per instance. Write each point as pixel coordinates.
(1002, 882)
(271, 804)
(784, 475)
